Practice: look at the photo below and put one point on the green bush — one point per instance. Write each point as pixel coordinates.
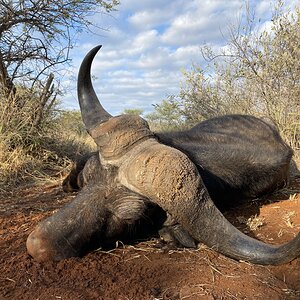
(256, 73)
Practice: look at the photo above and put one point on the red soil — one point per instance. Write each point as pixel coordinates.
(147, 270)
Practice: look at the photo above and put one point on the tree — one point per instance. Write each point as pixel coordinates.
(35, 38)
(167, 116)
(71, 121)
(133, 111)
(257, 73)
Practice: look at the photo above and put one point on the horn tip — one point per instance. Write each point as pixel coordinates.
(94, 51)
(97, 48)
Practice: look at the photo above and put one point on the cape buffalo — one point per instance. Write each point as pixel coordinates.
(182, 178)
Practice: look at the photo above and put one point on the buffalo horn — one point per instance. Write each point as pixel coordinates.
(92, 111)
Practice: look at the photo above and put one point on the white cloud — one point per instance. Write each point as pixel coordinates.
(152, 18)
(146, 19)
(187, 55)
(154, 59)
(145, 40)
(148, 43)
(139, 5)
(263, 7)
(201, 23)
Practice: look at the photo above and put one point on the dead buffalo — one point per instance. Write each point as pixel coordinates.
(181, 177)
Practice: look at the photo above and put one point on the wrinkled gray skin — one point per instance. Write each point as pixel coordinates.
(139, 179)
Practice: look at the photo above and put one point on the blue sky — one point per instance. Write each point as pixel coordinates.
(148, 43)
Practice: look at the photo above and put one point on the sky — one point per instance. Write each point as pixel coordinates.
(148, 43)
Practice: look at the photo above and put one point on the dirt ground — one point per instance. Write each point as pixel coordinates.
(148, 269)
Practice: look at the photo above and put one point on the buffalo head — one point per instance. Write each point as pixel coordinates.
(134, 171)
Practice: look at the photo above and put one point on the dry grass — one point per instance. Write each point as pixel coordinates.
(255, 222)
(287, 218)
(47, 162)
(33, 152)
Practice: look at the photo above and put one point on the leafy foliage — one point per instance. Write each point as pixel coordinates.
(35, 39)
(133, 111)
(256, 73)
(35, 36)
(167, 116)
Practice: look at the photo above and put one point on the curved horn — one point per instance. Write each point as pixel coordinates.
(183, 195)
(215, 231)
(92, 111)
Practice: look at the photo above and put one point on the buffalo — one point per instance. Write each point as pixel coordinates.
(176, 182)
